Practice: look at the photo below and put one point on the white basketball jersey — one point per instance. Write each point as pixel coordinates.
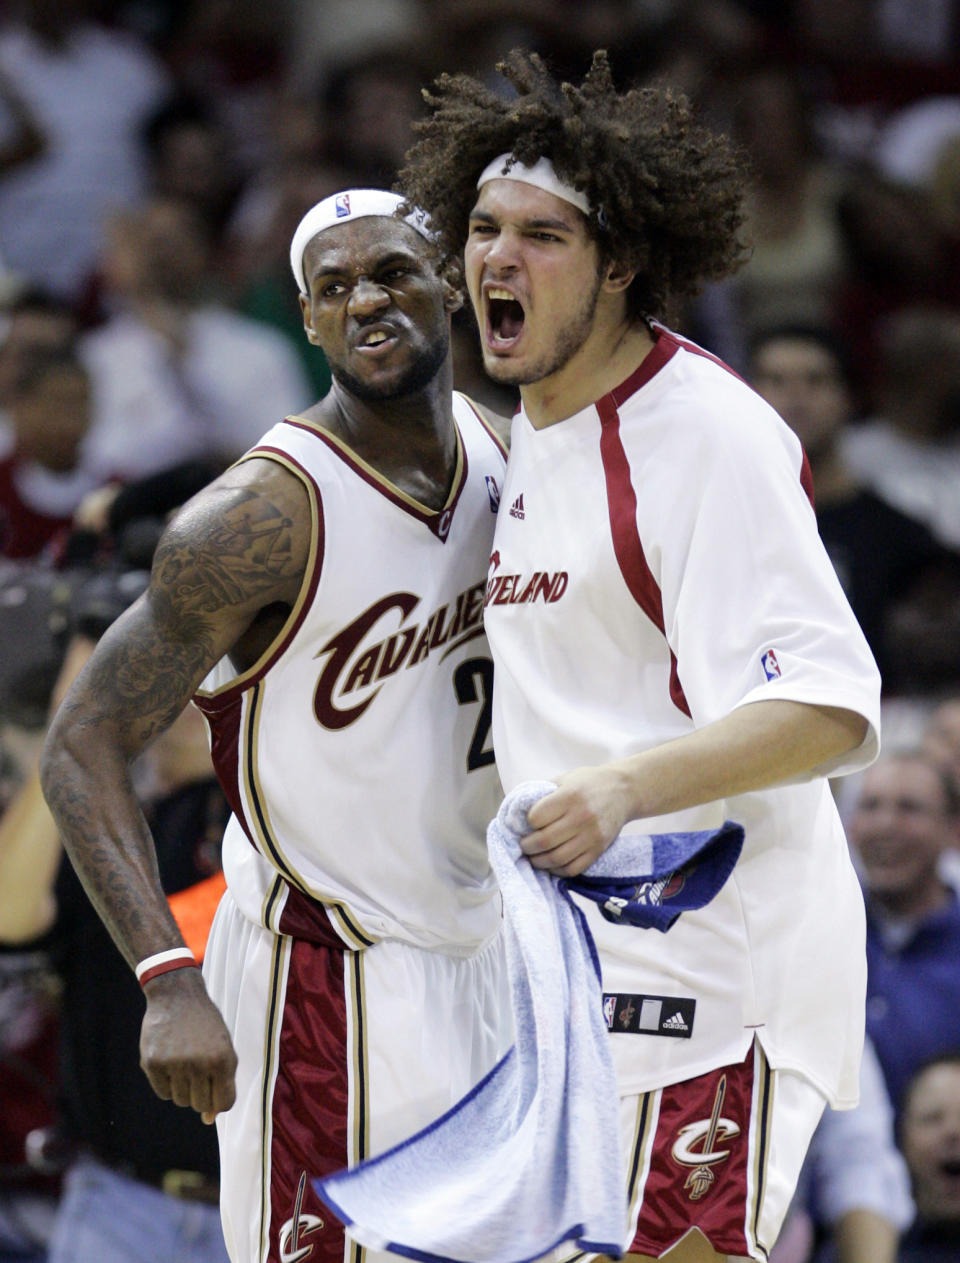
(356, 753)
(656, 565)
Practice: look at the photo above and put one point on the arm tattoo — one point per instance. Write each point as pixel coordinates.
(245, 550)
(225, 559)
(228, 556)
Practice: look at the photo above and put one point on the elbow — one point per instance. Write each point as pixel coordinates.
(60, 750)
(858, 726)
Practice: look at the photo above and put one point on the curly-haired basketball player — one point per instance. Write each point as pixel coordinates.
(700, 663)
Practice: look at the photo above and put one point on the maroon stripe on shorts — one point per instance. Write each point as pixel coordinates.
(700, 1163)
(310, 1105)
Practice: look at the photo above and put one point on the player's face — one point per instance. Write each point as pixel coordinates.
(533, 276)
(377, 307)
(900, 827)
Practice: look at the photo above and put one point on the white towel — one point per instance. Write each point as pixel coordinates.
(531, 1157)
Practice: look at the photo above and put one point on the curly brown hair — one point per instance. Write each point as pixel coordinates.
(666, 192)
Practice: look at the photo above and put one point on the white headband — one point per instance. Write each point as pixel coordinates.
(340, 207)
(541, 175)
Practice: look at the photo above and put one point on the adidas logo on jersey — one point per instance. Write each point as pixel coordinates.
(517, 509)
(675, 1023)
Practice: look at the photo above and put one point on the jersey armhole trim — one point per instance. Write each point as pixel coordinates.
(222, 696)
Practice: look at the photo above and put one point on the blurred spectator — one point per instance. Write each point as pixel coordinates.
(888, 31)
(105, 559)
(941, 740)
(913, 140)
(321, 35)
(909, 453)
(89, 88)
(267, 213)
(907, 814)
(24, 139)
(853, 1196)
(798, 259)
(42, 481)
(32, 322)
(930, 1136)
(190, 158)
(176, 377)
(29, 1180)
(371, 100)
(901, 256)
(886, 561)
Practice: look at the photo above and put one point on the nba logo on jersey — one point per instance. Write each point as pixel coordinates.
(342, 205)
(609, 1009)
(771, 667)
(493, 491)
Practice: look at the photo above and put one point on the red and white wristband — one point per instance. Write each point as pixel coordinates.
(164, 962)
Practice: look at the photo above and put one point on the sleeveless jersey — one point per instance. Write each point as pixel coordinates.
(356, 752)
(656, 564)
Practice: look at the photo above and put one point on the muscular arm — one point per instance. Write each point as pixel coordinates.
(235, 550)
(754, 747)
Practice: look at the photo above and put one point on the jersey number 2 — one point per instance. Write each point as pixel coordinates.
(465, 684)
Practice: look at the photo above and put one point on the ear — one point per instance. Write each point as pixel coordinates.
(305, 312)
(618, 278)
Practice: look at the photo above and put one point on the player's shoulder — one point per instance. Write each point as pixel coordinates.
(249, 533)
(255, 488)
(707, 401)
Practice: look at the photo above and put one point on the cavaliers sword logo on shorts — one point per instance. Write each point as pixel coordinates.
(298, 1226)
(697, 1146)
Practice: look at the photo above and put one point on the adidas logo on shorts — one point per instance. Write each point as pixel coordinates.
(675, 1023)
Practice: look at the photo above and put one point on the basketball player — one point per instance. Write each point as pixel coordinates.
(692, 657)
(322, 601)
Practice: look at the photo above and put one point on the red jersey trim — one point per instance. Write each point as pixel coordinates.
(436, 520)
(627, 545)
(662, 351)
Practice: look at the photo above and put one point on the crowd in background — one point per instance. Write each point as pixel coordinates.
(155, 157)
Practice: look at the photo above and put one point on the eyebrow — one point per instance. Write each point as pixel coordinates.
(563, 225)
(396, 256)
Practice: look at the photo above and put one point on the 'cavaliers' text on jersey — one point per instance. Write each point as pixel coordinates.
(357, 752)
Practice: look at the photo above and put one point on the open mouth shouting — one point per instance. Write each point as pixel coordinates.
(505, 318)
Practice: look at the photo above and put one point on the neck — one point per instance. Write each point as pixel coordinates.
(614, 349)
(410, 440)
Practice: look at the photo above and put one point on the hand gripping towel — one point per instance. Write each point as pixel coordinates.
(531, 1157)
